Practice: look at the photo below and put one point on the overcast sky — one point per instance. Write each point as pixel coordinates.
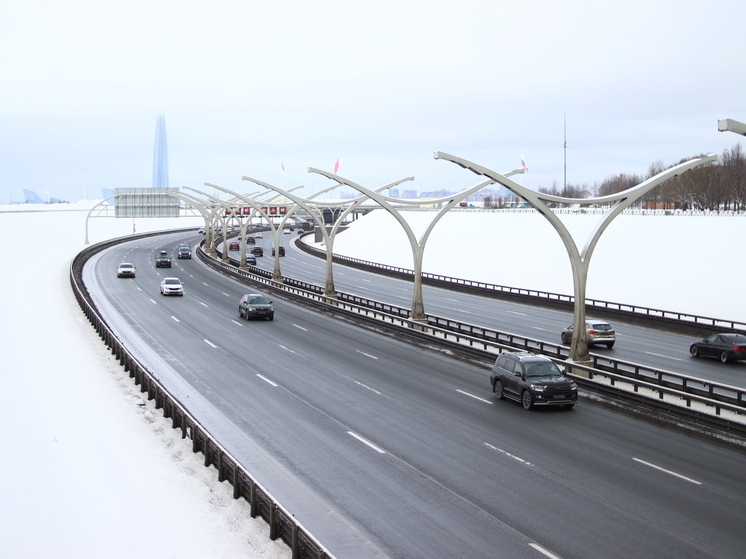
(249, 87)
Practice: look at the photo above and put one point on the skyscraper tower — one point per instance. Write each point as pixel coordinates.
(160, 154)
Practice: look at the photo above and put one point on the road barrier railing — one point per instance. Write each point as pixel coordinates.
(677, 321)
(719, 404)
(282, 524)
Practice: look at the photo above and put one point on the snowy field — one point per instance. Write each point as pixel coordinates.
(91, 470)
(689, 264)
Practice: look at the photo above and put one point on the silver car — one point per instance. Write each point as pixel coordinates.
(126, 270)
(599, 333)
(172, 286)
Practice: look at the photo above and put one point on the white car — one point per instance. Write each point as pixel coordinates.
(286, 232)
(259, 235)
(172, 286)
(126, 270)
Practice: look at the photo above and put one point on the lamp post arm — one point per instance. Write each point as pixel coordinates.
(579, 262)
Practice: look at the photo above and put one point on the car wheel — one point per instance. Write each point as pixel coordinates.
(499, 390)
(527, 400)
(694, 350)
(272, 317)
(564, 338)
(610, 345)
(724, 357)
(568, 406)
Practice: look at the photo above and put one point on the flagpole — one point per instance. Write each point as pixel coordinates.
(564, 192)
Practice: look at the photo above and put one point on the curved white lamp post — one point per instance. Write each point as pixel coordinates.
(579, 260)
(417, 312)
(305, 203)
(276, 274)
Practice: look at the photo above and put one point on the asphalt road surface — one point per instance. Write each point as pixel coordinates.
(385, 449)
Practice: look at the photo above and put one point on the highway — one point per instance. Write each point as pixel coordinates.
(636, 344)
(386, 449)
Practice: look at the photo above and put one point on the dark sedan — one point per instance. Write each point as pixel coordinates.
(257, 251)
(726, 347)
(254, 305)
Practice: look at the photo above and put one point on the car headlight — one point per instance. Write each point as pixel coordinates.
(537, 387)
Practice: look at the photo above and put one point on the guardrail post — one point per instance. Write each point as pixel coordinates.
(253, 501)
(273, 528)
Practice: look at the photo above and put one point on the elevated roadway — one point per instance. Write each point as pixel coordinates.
(394, 450)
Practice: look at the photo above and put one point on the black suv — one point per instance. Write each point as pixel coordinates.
(162, 260)
(533, 380)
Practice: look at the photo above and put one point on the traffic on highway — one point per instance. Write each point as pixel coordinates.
(382, 448)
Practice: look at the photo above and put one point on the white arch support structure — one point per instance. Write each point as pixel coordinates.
(579, 260)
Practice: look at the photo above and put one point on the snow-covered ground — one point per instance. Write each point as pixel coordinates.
(90, 469)
(681, 263)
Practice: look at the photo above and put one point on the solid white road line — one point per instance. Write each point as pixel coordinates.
(690, 480)
(508, 454)
(265, 379)
(368, 387)
(366, 441)
(666, 356)
(475, 397)
(543, 551)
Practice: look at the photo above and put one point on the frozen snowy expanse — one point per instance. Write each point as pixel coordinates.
(681, 263)
(90, 469)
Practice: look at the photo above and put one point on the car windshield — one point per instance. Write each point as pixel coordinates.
(172, 281)
(543, 369)
(258, 300)
(125, 265)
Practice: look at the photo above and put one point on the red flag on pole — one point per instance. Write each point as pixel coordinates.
(336, 166)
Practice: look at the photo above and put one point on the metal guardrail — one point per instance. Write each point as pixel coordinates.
(599, 306)
(282, 524)
(673, 391)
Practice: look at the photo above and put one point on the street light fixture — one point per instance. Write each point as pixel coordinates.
(730, 125)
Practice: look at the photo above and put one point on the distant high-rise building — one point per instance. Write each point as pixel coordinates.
(160, 154)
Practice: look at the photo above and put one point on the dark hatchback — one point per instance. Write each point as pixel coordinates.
(257, 251)
(726, 347)
(255, 305)
(532, 380)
